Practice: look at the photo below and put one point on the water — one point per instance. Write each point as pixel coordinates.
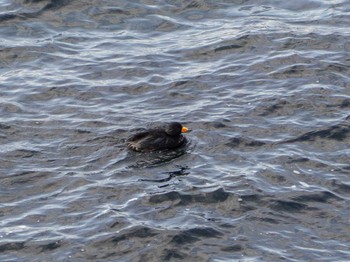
(264, 86)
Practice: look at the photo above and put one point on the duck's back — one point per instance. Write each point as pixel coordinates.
(154, 139)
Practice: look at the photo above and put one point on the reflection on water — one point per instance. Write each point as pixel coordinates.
(157, 158)
(265, 89)
(183, 171)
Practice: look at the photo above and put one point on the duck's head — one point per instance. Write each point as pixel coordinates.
(175, 129)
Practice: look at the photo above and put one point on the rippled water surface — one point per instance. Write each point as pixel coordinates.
(264, 86)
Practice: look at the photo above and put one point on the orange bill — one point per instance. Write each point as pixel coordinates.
(184, 129)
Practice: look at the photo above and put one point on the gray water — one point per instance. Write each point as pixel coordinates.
(264, 86)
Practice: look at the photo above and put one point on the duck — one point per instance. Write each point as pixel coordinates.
(164, 137)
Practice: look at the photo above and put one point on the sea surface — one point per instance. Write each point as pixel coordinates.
(263, 85)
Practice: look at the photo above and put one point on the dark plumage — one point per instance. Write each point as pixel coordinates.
(166, 137)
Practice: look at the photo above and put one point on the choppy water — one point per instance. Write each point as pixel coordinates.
(264, 85)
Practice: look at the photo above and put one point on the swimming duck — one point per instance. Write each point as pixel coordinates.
(166, 137)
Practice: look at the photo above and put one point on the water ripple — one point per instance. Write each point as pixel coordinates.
(263, 87)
